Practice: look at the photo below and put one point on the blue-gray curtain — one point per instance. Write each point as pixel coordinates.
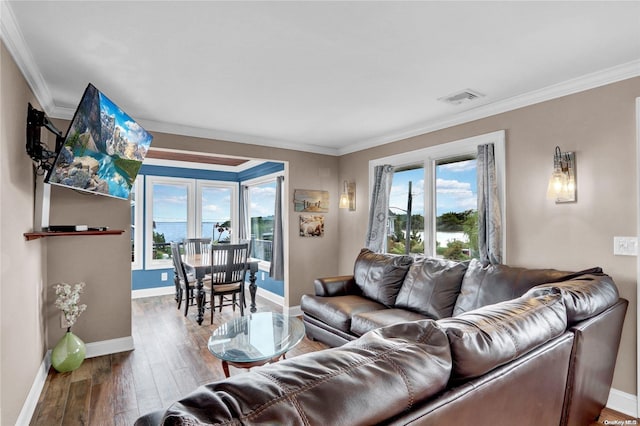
(243, 227)
(276, 270)
(489, 216)
(379, 211)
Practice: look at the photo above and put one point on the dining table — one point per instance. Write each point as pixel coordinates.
(200, 265)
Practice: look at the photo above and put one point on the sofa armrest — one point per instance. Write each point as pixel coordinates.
(336, 286)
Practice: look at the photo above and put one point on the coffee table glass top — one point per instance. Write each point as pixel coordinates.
(256, 337)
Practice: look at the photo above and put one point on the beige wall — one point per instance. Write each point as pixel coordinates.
(599, 125)
(102, 262)
(22, 298)
(309, 258)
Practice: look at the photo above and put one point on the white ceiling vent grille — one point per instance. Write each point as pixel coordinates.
(461, 97)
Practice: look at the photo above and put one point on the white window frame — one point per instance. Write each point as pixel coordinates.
(150, 262)
(427, 157)
(263, 265)
(203, 184)
(138, 213)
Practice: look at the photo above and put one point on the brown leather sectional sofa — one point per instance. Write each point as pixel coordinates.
(434, 342)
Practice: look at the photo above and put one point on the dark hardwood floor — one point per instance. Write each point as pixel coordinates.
(171, 359)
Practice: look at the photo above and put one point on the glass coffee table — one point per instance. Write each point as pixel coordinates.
(255, 339)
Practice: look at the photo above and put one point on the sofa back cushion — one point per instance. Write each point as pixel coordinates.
(584, 297)
(364, 382)
(380, 276)
(488, 284)
(496, 334)
(431, 287)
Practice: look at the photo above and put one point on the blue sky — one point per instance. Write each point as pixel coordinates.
(170, 202)
(456, 188)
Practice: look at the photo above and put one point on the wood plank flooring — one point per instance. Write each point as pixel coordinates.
(171, 359)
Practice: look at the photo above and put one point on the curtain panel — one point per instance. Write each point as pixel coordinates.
(489, 216)
(379, 209)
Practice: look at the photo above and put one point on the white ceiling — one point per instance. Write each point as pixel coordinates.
(327, 77)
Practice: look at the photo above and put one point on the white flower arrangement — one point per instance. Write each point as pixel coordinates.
(67, 302)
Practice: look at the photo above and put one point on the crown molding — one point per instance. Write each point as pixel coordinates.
(12, 37)
(17, 46)
(579, 84)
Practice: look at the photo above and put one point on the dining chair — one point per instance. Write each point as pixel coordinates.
(228, 270)
(185, 283)
(196, 245)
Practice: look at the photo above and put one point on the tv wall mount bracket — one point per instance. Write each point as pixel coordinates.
(39, 152)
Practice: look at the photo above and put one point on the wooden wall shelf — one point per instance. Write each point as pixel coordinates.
(35, 235)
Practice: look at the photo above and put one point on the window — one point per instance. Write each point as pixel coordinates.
(179, 208)
(456, 199)
(136, 222)
(215, 210)
(168, 213)
(407, 180)
(443, 198)
(261, 212)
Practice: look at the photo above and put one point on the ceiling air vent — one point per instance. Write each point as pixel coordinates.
(461, 97)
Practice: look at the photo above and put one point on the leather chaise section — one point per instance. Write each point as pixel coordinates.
(526, 392)
(382, 374)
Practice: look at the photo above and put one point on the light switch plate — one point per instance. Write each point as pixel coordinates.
(625, 246)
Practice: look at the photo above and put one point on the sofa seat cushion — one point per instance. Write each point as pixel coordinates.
(583, 297)
(488, 284)
(367, 321)
(337, 311)
(364, 382)
(491, 336)
(380, 276)
(431, 287)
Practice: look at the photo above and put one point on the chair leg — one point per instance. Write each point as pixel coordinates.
(241, 303)
(179, 298)
(221, 300)
(233, 302)
(187, 302)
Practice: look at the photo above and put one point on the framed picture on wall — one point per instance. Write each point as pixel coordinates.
(311, 225)
(311, 201)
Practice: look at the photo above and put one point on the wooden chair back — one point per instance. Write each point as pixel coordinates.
(228, 263)
(196, 245)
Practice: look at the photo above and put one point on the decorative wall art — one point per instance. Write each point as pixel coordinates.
(311, 201)
(311, 225)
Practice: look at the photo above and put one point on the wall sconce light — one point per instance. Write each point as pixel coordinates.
(348, 196)
(562, 184)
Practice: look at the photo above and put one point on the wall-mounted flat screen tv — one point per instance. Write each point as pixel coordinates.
(103, 150)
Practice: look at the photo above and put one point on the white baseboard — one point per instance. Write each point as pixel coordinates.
(295, 311)
(271, 297)
(106, 347)
(30, 404)
(150, 292)
(623, 402)
(279, 300)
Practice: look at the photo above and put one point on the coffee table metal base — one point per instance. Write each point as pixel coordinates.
(226, 364)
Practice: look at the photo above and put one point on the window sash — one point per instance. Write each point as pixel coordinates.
(428, 158)
(137, 232)
(263, 265)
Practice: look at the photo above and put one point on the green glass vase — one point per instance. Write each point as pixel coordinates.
(69, 353)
